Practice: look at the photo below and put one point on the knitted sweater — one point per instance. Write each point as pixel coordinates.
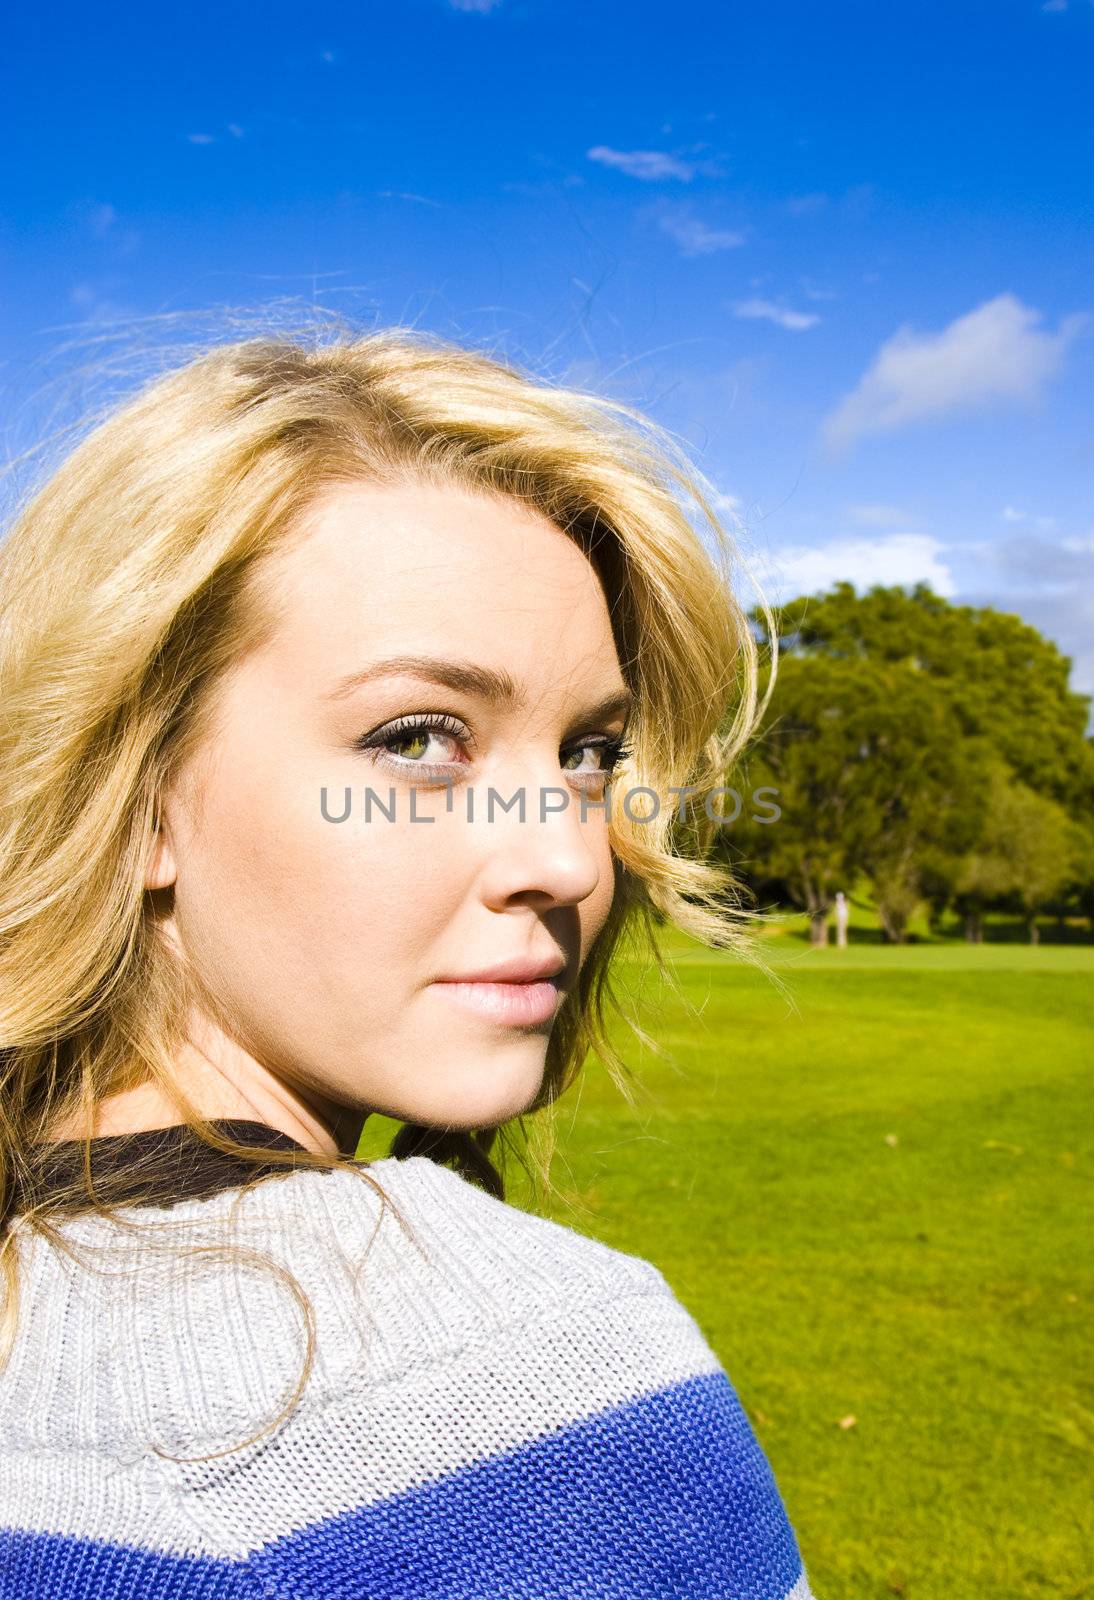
(500, 1408)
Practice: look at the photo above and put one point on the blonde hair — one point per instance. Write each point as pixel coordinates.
(131, 582)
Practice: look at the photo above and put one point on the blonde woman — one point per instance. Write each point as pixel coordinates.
(272, 636)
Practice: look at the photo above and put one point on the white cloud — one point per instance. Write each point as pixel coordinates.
(877, 516)
(1029, 558)
(649, 165)
(1012, 514)
(1047, 582)
(898, 558)
(802, 205)
(783, 316)
(101, 220)
(108, 228)
(201, 138)
(991, 354)
(697, 238)
(1063, 613)
(722, 503)
(1067, 618)
(473, 5)
(727, 504)
(1054, 5)
(96, 304)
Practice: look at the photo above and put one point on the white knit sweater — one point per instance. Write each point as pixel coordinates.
(500, 1408)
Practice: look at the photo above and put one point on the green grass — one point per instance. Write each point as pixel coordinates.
(875, 1199)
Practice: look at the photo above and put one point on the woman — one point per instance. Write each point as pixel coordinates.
(273, 635)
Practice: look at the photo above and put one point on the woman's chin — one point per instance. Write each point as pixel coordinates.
(482, 1094)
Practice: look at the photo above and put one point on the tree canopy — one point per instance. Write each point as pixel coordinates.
(922, 744)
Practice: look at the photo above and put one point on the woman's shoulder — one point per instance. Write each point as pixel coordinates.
(193, 1319)
(501, 1245)
(483, 1378)
(450, 1267)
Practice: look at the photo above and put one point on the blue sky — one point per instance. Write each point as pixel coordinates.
(843, 251)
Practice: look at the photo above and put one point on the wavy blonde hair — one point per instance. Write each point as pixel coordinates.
(131, 582)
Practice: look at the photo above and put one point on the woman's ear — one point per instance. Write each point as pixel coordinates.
(160, 870)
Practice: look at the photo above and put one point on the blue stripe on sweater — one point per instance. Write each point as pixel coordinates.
(667, 1496)
(53, 1566)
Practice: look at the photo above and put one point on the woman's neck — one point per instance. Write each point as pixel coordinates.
(226, 1083)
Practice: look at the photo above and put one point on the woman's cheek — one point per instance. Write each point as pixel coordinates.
(393, 872)
(594, 911)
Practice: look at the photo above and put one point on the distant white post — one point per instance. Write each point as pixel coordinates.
(842, 914)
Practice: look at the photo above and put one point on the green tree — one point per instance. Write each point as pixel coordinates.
(1026, 854)
(1007, 684)
(869, 771)
(971, 701)
(983, 876)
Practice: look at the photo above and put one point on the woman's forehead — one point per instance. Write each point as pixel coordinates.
(404, 570)
(389, 573)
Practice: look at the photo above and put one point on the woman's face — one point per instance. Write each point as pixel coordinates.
(332, 945)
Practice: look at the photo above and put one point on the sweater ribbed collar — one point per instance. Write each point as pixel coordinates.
(178, 1164)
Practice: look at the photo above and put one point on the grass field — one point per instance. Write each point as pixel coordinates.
(874, 1195)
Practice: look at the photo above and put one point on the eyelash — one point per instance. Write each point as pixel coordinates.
(615, 749)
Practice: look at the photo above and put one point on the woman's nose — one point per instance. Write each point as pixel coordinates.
(538, 839)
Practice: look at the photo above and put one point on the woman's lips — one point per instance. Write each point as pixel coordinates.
(517, 1004)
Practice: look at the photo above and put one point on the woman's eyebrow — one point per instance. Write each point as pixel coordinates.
(492, 684)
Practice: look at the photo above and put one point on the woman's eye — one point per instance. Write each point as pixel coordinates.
(413, 746)
(606, 754)
(422, 744)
